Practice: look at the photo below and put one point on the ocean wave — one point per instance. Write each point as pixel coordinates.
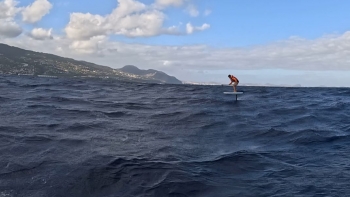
(106, 138)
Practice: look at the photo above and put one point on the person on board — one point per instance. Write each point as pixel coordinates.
(235, 82)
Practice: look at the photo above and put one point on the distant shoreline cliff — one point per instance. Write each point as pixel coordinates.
(17, 61)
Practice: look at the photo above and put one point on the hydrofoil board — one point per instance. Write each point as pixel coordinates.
(233, 93)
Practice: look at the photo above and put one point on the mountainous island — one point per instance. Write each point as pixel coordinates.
(17, 61)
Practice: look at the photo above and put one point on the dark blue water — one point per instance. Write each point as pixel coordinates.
(94, 137)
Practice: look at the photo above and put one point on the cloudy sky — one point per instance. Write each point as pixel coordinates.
(261, 42)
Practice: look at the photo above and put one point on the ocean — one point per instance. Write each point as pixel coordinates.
(62, 137)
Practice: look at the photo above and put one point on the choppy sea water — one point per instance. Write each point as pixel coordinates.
(72, 137)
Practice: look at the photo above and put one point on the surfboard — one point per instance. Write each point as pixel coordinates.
(233, 93)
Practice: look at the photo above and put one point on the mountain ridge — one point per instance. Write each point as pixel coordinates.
(150, 72)
(15, 60)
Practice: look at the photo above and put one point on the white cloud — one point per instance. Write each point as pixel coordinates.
(9, 28)
(131, 18)
(8, 9)
(326, 53)
(173, 30)
(41, 34)
(36, 11)
(148, 23)
(127, 7)
(91, 46)
(192, 10)
(190, 29)
(167, 63)
(207, 12)
(84, 26)
(167, 3)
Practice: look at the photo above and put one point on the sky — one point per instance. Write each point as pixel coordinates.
(260, 42)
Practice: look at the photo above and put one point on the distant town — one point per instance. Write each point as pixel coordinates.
(16, 61)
